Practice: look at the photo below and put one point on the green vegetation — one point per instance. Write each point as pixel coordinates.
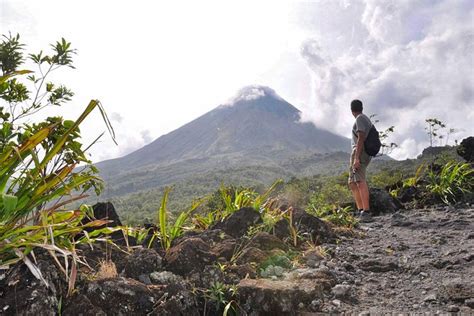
(275, 266)
(387, 147)
(227, 200)
(38, 163)
(329, 199)
(326, 196)
(170, 231)
(222, 298)
(339, 216)
(451, 182)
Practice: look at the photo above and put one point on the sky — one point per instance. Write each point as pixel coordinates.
(156, 65)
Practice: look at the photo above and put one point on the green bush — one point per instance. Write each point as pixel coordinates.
(386, 178)
(228, 200)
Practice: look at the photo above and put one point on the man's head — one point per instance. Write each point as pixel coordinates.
(356, 107)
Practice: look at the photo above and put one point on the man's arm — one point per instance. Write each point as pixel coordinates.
(359, 148)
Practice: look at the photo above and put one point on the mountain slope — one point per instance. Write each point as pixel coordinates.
(256, 126)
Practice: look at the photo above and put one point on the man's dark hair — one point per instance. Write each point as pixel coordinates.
(356, 106)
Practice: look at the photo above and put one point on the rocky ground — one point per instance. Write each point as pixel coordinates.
(418, 261)
(410, 261)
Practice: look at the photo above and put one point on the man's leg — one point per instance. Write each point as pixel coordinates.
(356, 194)
(363, 190)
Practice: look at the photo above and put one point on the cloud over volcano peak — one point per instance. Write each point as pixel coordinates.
(406, 60)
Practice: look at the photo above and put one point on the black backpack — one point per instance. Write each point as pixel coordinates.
(372, 142)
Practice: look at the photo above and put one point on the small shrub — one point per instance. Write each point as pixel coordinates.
(331, 194)
(275, 265)
(168, 230)
(386, 179)
(228, 200)
(221, 297)
(327, 203)
(339, 216)
(452, 182)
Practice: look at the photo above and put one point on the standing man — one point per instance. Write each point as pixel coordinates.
(359, 161)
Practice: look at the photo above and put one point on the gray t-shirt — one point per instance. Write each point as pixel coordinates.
(361, 124)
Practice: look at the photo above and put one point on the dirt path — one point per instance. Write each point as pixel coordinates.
(411, 261)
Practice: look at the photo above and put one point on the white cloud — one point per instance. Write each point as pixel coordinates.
(413, 61)
(146, 136)
(157, 65)
(249, 93)
(114, 116)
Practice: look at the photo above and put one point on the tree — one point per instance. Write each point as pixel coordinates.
(450, 132)
(434, 125)
(387, 147)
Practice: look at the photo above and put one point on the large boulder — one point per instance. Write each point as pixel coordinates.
(23, 294)
(178, 297)
(322, 275)
(106, 211)
(192, 254)
(268, 297)
(382, 202)
(252, 255)
(408, 194)
(142, 262)
(266, 241)
(466, 149)
(80, 305)
(210, 236)
(238, 224)
(235, 273)
(307, 225)
(209, 276)
(122, 296)
(225, 249)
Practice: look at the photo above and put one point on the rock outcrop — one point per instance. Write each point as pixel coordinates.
(466, 149)
(237, 224)
(382, 202)
(417, 260)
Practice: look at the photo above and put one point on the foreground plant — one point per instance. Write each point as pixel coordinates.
(39, 173)
(222, 298)
(452, 182)
(168, 230)
(327, 205)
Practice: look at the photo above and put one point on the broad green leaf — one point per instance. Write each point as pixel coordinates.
(9, 202)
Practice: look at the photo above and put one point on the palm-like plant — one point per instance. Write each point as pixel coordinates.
(39, 163)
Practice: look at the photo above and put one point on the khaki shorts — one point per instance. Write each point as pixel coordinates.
(358, 175)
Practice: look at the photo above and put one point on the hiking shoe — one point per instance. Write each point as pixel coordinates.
(365, 217)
